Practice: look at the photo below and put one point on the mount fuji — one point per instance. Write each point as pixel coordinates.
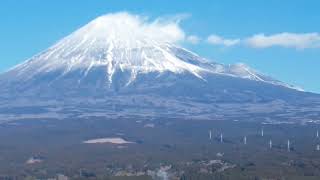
(110, 68)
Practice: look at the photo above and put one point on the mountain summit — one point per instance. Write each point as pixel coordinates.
(120, 43)
(115, 60)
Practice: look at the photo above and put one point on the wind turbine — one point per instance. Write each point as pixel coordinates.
(270, 144)
(288, 145)
(210, 134)
(221, 138)
(262, 132)
(245, 140)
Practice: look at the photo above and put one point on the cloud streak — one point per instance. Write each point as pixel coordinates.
(260, 41)
(193, 39)
(168, 29)
(218, 40)
(287, 40)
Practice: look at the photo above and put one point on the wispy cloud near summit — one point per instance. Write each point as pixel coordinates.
(218, 40)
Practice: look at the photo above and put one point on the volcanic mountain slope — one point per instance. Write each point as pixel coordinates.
(109, 63)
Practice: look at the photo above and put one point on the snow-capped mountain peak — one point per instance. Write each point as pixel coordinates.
(121, 43)
(116, 43)
(119, 66)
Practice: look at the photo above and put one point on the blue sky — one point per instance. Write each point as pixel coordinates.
(30, 26)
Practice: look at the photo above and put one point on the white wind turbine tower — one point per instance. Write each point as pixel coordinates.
(210, 134)
(317, 134)
(245, 140)
(318, 147)
(288, 145)
(221, 138)
(270, 144)
(262, 132)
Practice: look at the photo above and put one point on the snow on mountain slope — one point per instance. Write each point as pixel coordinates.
(111, 42)
(244, 71)
(119, 43)
(119, 66)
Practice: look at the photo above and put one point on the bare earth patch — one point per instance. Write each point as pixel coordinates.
(115, 140)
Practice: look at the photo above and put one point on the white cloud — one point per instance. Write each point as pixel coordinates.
(288, 40)
(218, 40)
(125, 25)
(193, 39)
